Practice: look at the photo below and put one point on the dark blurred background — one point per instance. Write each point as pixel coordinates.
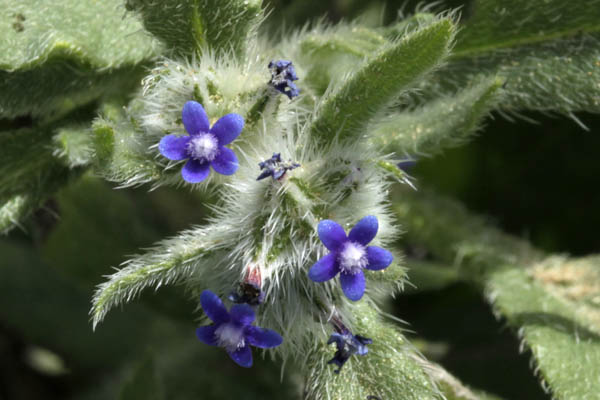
(534, 180)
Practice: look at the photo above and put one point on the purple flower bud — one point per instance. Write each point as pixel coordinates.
(282, 76)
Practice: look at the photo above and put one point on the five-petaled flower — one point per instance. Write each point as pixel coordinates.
(204, 146)
(347, 345)
(233, 330)
(282, 76)
(349, 255)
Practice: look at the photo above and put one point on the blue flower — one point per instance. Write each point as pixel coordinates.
(349, 255)
(233, 330)
(275, 168)
(282, 76)
(347, 345)
(204, 146)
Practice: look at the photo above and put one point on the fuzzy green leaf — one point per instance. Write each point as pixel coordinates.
(390, 370)
(501, 24)
(547, 50)
(55, 57)
(187, 26)
(328, 55)
(551, 303)
(169, 262)
(564, 340)
(442, 123)
(347, 111)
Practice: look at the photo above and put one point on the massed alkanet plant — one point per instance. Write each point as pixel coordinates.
(336, 108)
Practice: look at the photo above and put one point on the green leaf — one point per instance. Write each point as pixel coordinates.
(547, 50)
(439, 124)
(552, 303)
(167, 263)
(144, 384)
(55, 57)
(562, 336)
(452, 235)
(391, 369)
(327, 55)
(496, 24)
(347, 111)
(187, 26)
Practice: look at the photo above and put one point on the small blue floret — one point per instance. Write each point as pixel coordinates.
(203, 147)
(282, 76)
(233, 329)
(349, 255)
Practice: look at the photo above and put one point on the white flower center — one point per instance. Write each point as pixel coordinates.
(230, 336)
(353, 257)
(203, 147)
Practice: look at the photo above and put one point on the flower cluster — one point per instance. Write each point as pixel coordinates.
(283, 76)
(204, 147)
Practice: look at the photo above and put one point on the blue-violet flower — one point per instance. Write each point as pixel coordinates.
(233, 330)
(349, 255)
(282, 76)
(275, 168)
(204, 146)
(347, 345)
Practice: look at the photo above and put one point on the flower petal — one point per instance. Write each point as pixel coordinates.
(194, 171)
(213, 307)
(353, 285)
(226, 162)
(174, 147)
(194, 118)
(206, 334)
(242, 356)
(378, 258)
(324, 269)
(227, 128)
(243, 314)
(263, 338)
(365, 230)
(331, 234)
